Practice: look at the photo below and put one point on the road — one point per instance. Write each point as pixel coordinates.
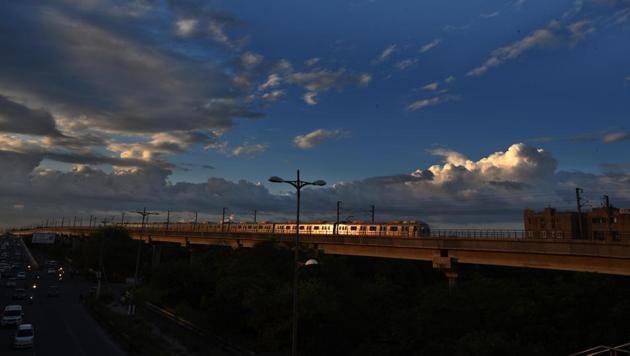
(62, 324)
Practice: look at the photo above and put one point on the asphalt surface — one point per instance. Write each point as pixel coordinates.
(62, 324)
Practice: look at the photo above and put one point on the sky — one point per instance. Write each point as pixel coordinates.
(458, 114)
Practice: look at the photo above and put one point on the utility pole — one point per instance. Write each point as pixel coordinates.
(46, 222)
(90, 221)
(578, 198)
(145, 219)
(99, 274)
(223, 218)
(74, 221)
(168, 218)
(336, 230)
(62, 219)
(372, 212)
(255, 211)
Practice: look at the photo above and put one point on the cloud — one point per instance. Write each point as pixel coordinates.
(554, 34)
(122, 79)
(385, 55)
(272, 80)
(490, 15)
(18, 118)
(429, 46)
(185, 27)
(431, 86)
(315, 138)
(406, 63)
(425, 103)
(616, 136)
(273, 95)
(247, 149)
(449, 80)
(456, 191)
(310, 98)
(311, 61)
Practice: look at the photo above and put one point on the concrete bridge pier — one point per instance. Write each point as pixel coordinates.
(447, 265)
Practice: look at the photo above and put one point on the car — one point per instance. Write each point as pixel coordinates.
(24, 336)
(12, 315)
(53, 291)
(21, 275)
(19, 294)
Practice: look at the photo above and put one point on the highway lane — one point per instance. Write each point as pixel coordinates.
(62, 324)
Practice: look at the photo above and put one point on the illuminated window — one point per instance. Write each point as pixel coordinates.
(353, 228)
(372, 228)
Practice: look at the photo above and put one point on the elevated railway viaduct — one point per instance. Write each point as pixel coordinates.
(608, 257)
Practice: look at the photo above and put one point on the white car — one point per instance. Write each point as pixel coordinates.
(24, 336)
(12, 315)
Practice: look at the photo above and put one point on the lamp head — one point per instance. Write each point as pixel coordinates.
(276, 179)
(311, 262)
(319, 182)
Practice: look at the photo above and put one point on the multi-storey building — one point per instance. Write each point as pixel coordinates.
(610, 224)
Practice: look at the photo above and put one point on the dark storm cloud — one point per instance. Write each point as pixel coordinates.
(120, 73)
(17, 118)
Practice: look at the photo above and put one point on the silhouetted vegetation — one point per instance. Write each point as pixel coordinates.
(369, 306)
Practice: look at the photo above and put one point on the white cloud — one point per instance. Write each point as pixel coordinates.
(490, 15)
(250, 59)
(436, 100)
(386, 54)
(273, 95)
(310, 98)
(555, 33)
(616, 136)
(217, 33)
(429, 46)
(272, 80)
(185, 27)
(311, 61)
(431, 86)
(315, 138)
(449, 80)
(406, 63)
(247, 149)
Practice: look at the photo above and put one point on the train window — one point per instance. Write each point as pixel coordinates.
(353, 228)
(315, 227)
(302, 227)
(362, 228)
(393, 228)
(372, 228)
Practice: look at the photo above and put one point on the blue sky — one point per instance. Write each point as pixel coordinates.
(461, 100)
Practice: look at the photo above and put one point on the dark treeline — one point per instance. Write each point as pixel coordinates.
(370, 306)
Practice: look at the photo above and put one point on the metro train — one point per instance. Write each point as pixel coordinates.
(407, 228)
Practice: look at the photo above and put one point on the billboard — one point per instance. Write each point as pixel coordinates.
(43, 238)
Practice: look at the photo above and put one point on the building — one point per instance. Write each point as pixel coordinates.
(550, 224)
(604, 224)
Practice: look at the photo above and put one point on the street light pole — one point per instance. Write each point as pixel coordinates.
(298, 184)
